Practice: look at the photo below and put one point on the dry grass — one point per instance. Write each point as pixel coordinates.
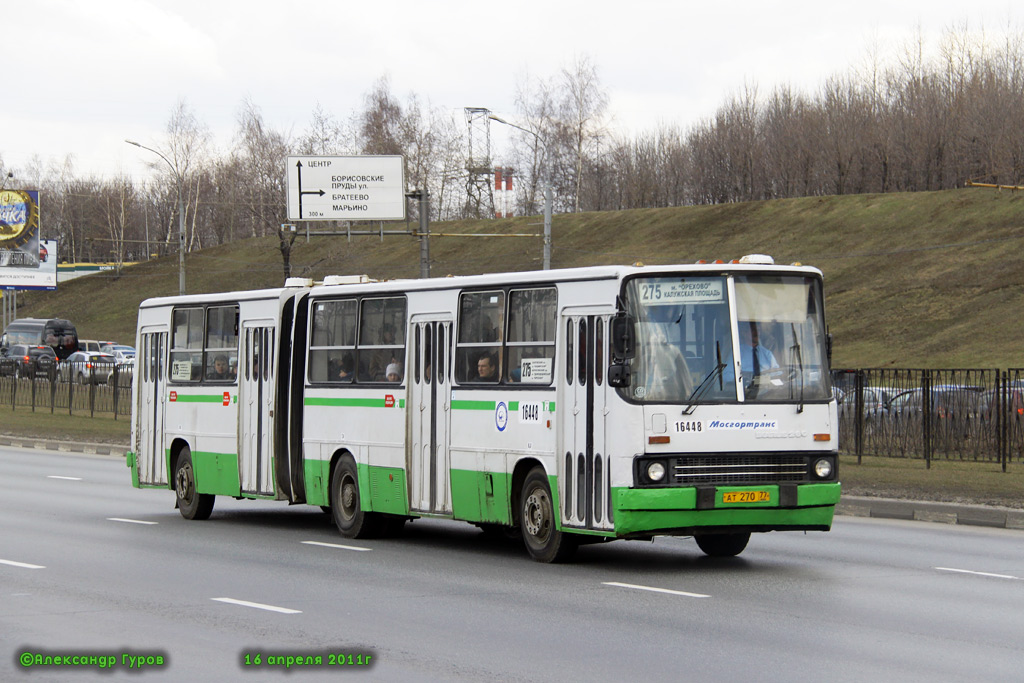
(951, 481)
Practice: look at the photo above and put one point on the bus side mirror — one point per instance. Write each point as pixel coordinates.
(623, 329)
(828, 348)
(619, 376)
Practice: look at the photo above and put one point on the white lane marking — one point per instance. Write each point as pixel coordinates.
(968, 571)
(655, 590)
(23, 565)
(54, 476)
(129, 521)
(258, 605)
(335, 545)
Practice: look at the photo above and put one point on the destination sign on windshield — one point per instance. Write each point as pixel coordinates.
(666, 292)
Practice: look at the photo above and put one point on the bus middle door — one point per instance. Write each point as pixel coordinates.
(429, 396)
(256, 409)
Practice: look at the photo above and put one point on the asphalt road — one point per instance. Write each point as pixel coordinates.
(92, 567)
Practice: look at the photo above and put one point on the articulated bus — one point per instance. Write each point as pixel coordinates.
(563, 406)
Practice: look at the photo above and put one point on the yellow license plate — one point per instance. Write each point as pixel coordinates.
(746, 497)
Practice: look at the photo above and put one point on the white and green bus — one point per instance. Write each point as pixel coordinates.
(569, 406)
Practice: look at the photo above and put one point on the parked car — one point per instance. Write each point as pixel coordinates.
(124, 370)
(120, 351)
(1013, 401)
(87, 367)
(955, 412)
(948, 401)
(29, 360)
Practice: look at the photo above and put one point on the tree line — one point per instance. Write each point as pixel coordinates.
(910, 121)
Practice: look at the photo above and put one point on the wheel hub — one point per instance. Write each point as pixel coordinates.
(534, 514)
(183, 484)
(348, 497)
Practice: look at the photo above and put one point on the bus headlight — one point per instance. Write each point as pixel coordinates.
(823, 468)
(655, 471)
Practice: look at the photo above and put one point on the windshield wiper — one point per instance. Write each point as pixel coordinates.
(800, 365)
(706, 382)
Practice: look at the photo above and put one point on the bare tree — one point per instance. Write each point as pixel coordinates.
(259, 159)
(118, 198)
(325, 135)
(582, 107)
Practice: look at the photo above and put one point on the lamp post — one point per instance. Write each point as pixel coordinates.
(181, 214)
(547, 191)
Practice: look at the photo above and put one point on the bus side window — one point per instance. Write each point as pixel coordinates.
(530, 337)
(186, 359)
(478, 357)
(381, 339)
(221, 348)
(333, 341)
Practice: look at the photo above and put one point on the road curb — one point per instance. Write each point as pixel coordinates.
(64, 446)
(923, 511)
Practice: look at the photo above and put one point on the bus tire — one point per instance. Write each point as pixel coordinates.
(191, 504)
(543, 540)
(722, 545)
(346, 506)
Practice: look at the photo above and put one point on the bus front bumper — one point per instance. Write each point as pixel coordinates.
(643, 513)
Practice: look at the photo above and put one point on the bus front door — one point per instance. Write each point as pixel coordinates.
(256, 409)
(583, 461)
(151, 464)
(429, 395)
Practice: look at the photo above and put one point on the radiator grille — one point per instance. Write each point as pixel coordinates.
(773, 468)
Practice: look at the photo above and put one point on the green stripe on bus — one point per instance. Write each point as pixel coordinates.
(197, 398)
(350, 402)
(473, 405)
(513, 406)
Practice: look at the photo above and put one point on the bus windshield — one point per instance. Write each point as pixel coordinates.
(686, 340)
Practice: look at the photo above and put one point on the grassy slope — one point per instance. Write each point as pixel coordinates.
(928, 279)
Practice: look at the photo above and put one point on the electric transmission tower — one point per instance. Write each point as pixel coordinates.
(479, 195)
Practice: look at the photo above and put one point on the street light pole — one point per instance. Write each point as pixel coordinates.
(181, 214)
(547, 191)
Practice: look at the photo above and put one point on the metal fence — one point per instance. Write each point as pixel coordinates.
(74, 388)
(967, 414)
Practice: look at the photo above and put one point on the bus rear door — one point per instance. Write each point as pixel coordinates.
(151, 383)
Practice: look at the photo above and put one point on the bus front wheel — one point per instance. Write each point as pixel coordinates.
(191, 504)
(346, 507)
(544, 541)
(722, 545)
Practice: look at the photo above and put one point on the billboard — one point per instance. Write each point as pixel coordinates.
(333, 188)
(25, 261)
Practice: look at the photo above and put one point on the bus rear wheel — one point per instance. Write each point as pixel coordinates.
(191, 504)
(544, 541)
(722, 545)
(346, 507)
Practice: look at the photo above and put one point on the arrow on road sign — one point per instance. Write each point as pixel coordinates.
(321, 193)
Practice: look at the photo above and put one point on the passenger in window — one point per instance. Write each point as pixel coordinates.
(346, 369)
(221, 369)
(377, 370)
(486, 369)
(394, 372)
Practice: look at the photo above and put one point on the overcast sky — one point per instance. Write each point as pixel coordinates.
(80, 76)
